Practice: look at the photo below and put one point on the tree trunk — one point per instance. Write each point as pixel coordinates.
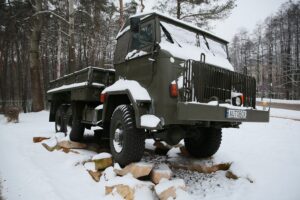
(72, 64)
(58, 64)
(34, 56)
(178, 9)
(142, 5)
(121, 20)
(36, 89)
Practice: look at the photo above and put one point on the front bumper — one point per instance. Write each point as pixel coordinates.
(188, 111)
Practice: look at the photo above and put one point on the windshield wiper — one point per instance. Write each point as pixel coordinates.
(168, 35)
(208, 46)
(206, 42)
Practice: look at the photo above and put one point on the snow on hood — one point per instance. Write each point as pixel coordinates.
(192, 52)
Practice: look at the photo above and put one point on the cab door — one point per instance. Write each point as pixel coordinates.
(139, 58)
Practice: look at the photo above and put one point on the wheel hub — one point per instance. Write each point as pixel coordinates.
(118, 139)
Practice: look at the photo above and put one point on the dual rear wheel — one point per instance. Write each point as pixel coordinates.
(63, 119)
(67, 121)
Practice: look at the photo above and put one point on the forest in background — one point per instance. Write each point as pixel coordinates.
(270, 53)
(41, 40)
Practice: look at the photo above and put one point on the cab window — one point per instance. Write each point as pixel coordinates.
(144, 38)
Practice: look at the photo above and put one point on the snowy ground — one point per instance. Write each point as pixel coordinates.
(268, 154)
(280, 101)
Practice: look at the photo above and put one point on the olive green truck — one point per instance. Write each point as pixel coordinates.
(171, 81)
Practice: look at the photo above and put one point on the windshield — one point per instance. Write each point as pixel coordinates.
(185, 38)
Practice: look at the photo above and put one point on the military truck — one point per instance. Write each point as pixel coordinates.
(172, 81)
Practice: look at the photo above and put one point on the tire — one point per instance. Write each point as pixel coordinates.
(68, 119)
(205, 143)
(59, 119)
(77, 130)
(127, 143)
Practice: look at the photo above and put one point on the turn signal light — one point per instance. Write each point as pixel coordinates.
(103, 97)
(173, 90)
(242, 98)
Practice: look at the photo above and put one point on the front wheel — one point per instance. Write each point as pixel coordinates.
(127, 143)
(205, 143)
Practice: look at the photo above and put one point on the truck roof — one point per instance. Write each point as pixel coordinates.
(126, 27)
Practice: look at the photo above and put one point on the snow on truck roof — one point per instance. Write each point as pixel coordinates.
(189, 25)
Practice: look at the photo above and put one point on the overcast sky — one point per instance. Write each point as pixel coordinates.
(247, 14)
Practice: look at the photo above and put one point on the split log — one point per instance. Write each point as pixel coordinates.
(124, 191)
(95, 175)
(136, 169)
(167, 189)
(71, 145)
(159, 172)
(102, 161)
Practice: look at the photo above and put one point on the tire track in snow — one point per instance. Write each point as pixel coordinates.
(285, 118)
(1, 198)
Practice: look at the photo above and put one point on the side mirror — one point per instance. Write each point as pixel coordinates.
(135, 24)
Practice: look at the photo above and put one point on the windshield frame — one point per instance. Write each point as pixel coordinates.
(188, 28)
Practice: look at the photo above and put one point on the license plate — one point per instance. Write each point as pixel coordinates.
(236, 114)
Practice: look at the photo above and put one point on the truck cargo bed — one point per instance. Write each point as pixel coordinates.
(82, 85)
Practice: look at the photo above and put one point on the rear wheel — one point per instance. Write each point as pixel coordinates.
(77, 130)
(68, 119)
(205, 143)
(59, 119)
(127, 143)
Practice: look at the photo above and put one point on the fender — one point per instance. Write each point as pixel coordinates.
(126, 92)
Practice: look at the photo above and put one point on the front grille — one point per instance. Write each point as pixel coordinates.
(203, 83)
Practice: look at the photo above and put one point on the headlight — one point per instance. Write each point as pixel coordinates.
(237, 101)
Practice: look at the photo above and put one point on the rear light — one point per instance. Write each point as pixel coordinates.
(103, 97)
(173, 90)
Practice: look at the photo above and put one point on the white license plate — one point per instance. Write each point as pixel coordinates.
(236, 114)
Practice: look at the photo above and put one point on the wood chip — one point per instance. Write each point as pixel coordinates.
(231, 175)
(95, 175)
(39, 139)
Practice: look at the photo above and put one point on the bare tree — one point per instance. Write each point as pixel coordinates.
(275, 53)
(142, 5)
(121, 20)
(72, 64)
(34, 57)
(197, 11)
